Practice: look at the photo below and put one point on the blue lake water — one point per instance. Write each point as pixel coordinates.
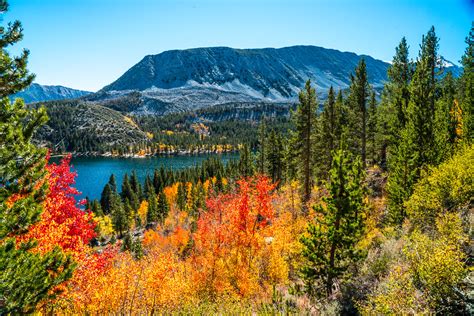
(94, 172)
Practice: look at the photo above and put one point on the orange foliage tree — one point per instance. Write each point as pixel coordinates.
(64, 224)
(229, 237)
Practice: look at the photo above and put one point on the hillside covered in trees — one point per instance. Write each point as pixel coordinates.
(361, 207)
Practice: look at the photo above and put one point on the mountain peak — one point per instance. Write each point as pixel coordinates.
(39, 93)
(270, 73)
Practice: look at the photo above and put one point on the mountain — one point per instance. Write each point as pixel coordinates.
(40, 93)
(75, 125)
(191, 79)
(268, 73)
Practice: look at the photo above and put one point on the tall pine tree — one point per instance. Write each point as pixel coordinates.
(329, 244)
(467, 88)
(329, 132)
(26, 277)
(416, 148)
(421, 108)
(359, 93)
(305, 120)
(372, 119)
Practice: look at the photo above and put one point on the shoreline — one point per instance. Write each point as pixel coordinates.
(138, 156)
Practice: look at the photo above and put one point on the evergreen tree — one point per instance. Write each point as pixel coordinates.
(113, 183)
(443, 127)
(163, 207)
(88, 204)
(26, 277)
(127, 243)
(397, 88)
(329, 132)
(262, 142)
(329, 245)
(137, 249)
(403, 175)
(304, 140)
(421, 108)
(129, 194)
(219, 183)
(149, 188)
(136, 186)
(96, 208)
(158, 180)
(290, 158)
(152, 212)
(246, 167)
(120, 220)
(416, 148)
(106, 199)
(372, 129)
(359, 93)
(181, 196)
(467, 87)
(275, 157)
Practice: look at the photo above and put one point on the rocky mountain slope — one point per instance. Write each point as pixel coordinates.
(75, 125)
(41, 93)
(268, 73)
(159, 101)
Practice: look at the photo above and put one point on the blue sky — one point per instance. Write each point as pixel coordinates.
(87, 44)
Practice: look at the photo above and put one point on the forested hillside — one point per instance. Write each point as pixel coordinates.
(363, 206)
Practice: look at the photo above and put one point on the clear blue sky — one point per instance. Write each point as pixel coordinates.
(86, 44)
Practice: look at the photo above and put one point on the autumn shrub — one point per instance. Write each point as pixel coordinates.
(447, 188)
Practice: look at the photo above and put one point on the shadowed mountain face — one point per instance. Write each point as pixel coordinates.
(40, 93)
(271, 74)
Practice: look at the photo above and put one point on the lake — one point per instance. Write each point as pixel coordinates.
(94, 172)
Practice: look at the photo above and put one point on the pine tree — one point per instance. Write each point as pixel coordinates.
(394, 104)
(152, 212)
(290, 158)
(181, 196)
(129, 194)
(149, 188)
(26, 277)
(359, 93)
(219, 183)
(262, 142)
(113, 183)
(96, 208)
(304, 140)
(421, 108)
(120, 220)
(163, 207)
(136, 186)
(246, 167)
(158, 180)
(443, 133)
(399, 76)
(467, 88)
(329, 132)
(372, 129)
(275, 157)
(416, 148)
(106, 199)
(403, 175)
(329, 244)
